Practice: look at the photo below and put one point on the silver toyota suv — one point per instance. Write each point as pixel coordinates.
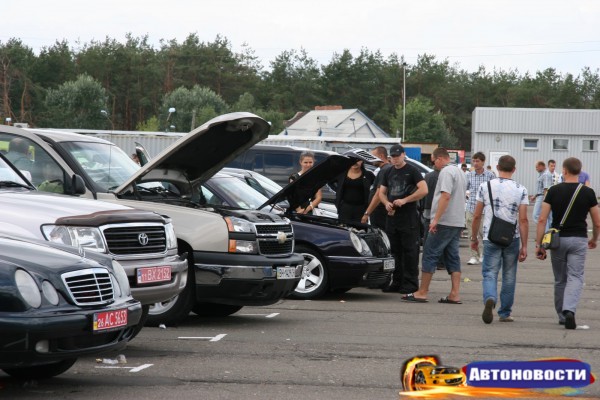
(143, 242)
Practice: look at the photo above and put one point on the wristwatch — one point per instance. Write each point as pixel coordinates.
(473, 239)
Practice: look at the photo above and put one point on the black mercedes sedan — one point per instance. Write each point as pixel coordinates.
(58, 303)
(338, 255)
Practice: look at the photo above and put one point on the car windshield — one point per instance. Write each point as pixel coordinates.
(9, 177)
(106, 164)
(238, 193)
(269, 185)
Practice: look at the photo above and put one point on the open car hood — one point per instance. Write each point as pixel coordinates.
(301, 189)
(201, 153)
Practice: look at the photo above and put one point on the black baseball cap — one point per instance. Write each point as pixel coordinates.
(396, 150)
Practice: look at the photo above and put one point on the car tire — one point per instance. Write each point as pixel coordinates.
(314, 282)
(215, 310)
(140, 325)
(41, 371)
(175, 310)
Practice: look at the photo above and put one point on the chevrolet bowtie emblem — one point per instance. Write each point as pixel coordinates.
(281, 237)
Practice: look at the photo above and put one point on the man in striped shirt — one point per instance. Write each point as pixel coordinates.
(475, 178)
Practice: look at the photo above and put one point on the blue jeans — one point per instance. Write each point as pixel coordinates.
(494, 259)
(442, 246)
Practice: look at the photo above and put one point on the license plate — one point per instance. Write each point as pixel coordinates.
(388, 264)
(286, 272)
(153, 274)
(109, 320)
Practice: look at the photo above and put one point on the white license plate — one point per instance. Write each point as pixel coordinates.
(109, 320)
(286, 272)
(153, 274)
(388, 264)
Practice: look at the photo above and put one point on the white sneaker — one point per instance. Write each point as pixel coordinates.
(473, 261)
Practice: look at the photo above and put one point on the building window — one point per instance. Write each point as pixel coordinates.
(530, 144)
(589, 145)
(560, 144)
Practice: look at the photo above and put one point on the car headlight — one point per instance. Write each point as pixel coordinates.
(88, 238)
(235, 224)
(171, 237)
(121, 278)
(50, 293)
(243, 246)
(356, 242)
(386, 239)
(366, 249)
(28, 289)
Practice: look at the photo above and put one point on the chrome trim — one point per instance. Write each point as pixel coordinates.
(85, 285)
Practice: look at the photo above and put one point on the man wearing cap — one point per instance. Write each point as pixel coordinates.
(402, 185)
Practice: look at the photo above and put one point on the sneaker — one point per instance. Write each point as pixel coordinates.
(473, 261)
(488, 311)
(569, 320)
(507, 319)
(481, 259)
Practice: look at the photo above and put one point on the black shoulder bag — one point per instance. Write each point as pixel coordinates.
(501, 232)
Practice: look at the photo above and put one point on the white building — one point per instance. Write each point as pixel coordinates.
(538, 134)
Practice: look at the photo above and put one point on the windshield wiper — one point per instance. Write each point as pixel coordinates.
(14, 184)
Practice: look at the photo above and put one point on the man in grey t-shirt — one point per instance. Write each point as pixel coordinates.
(447, 223)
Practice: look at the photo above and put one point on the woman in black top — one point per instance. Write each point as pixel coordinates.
(307, 160)
(352, 192)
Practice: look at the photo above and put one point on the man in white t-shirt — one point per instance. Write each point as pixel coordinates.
(510, 204)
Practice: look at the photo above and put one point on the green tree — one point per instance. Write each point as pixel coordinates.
(77, 104)
(16, 86)
(423, 123)
(198, 104)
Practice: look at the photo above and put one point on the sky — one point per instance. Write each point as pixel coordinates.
(523, 35)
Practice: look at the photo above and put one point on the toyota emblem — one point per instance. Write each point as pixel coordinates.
(281, 237)
(143, 239)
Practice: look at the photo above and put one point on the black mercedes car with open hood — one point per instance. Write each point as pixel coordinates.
(338, 255)
(236, 257)
(58, 303)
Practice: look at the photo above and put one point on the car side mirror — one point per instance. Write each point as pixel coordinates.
(77, 185)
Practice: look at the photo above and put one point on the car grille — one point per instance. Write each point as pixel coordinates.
(268, 241)
(89, 286)
(375, 242)
(131, 239)
(455, 381)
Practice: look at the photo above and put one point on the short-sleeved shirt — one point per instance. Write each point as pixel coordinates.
(452, 181)
(583, 177)
(544, 181)
(400, 183)
(474, 180)
(508, 196)
(559, 196)
(377, 182)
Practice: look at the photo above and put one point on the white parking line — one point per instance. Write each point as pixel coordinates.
(272, 315)
(210, 338)
(131, 369)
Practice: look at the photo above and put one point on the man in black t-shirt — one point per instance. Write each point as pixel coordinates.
(568, 260)
(402, 186)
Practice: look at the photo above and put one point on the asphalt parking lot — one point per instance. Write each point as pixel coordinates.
(348, 346)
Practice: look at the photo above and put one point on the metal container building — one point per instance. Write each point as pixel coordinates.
(538, 134)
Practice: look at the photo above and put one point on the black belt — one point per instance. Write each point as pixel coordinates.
(538, 195)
